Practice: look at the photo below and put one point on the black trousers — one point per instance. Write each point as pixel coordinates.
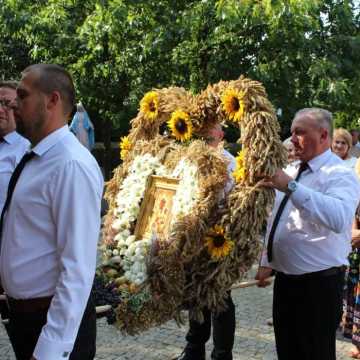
(25, 329)
(307, 311)
(223, 334)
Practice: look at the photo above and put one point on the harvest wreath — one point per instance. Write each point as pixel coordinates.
(173, 238)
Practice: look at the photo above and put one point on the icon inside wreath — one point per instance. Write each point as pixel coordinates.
(156, 210)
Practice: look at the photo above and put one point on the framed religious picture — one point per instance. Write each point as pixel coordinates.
(156, 208)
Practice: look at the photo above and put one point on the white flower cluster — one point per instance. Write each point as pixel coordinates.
(134, 261)
(128, 201)
(133, 252)
(187, 191)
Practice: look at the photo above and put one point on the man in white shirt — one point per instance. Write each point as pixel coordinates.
(12, 145)
(308, 241)
(49, 226)
(223, 323)
(12, 148)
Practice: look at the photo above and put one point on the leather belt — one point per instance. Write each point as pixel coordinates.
(29, 305)
(316, 274)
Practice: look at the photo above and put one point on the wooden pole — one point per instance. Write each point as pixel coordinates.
(242, 285)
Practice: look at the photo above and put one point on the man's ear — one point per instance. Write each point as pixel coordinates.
(53, 100)
(324, 135)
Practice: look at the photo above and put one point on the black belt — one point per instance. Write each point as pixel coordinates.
(29, 305)
(316, 274)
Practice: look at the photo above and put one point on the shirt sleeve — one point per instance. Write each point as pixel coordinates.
(75, 204)
(263, 259)
(335, 207)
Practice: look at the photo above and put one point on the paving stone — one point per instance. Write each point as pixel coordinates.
(254, 338)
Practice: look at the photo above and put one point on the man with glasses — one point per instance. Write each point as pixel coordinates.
(12, 148)
(12, 145)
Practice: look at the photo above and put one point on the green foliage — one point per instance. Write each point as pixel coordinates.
(137, 301)
(305, 52)
(308, 53)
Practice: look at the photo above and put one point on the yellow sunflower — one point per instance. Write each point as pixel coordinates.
(125, 147)
(239, 175)
(180, 125)
(233, 104)
(149, 105)
(218, 244)
(240, 171)
(240, 158)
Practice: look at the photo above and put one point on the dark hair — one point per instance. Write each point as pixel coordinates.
(9, 84)
(51, 78)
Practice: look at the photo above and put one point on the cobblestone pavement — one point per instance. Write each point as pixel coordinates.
(254, 338)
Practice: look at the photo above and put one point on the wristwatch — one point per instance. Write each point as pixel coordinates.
(291, 187)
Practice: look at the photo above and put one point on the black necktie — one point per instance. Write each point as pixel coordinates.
(12, 183)
(302, 168)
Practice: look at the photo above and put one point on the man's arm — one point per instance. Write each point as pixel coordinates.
(76, 195)
(334, 208)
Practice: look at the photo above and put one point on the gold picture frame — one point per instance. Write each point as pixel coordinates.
(156, 208)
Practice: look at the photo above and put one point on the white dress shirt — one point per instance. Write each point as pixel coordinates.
(12, 150)
(314, 230)
(50, 237)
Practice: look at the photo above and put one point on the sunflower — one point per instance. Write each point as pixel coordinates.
(239, 175)
(233, 104)
(240, 158)
(218, 244)
(180, 125)
(240, 171)
(149, 105)
(125, 147)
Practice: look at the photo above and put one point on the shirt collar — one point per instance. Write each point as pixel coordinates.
(11, 137)
(318, 161)
(49, 141)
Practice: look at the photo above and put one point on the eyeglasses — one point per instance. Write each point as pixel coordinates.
(6, 104)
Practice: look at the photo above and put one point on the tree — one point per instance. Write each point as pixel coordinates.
(308, 53)
(305, 52)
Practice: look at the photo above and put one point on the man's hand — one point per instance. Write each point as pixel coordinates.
(279, 181)
(262, 274)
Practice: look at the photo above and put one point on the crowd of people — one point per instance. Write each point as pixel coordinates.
(48, 238)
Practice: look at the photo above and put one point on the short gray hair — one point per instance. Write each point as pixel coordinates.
(322, 117)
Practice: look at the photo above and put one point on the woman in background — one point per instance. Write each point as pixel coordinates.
(291, 150)
(341, 145)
